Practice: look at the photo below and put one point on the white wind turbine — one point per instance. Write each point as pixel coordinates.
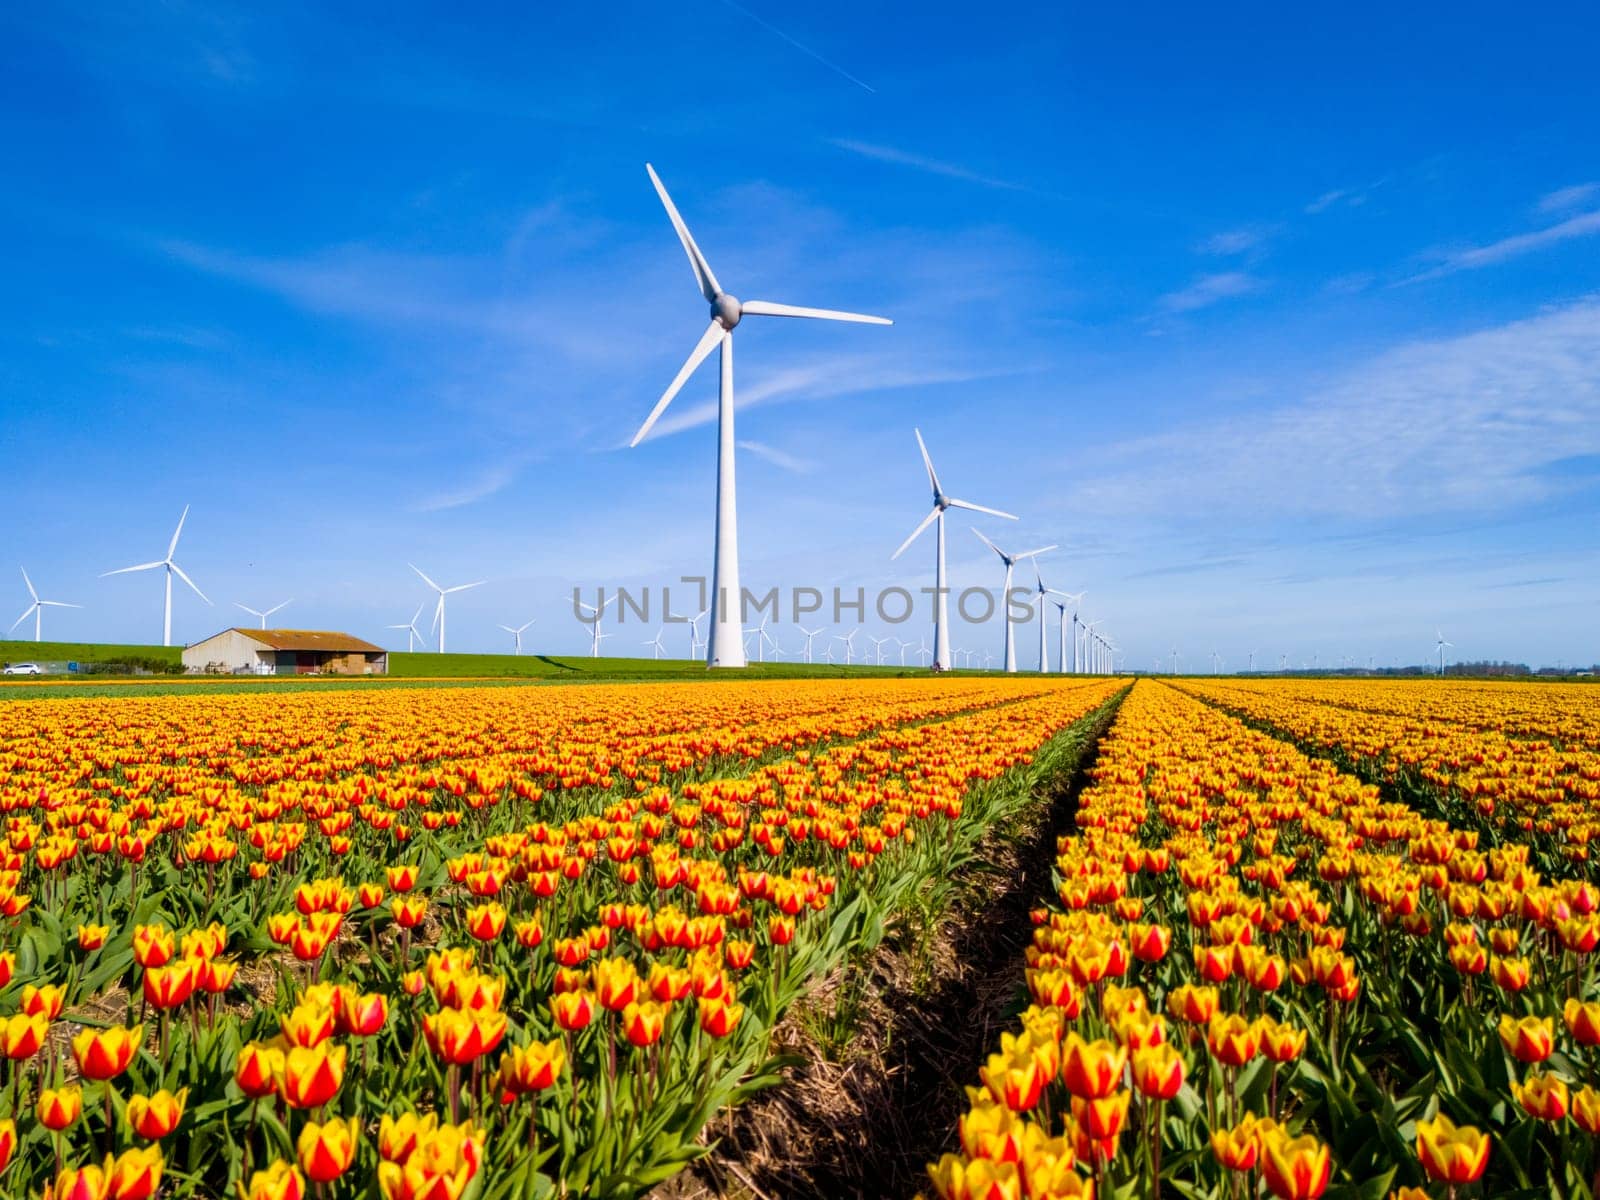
(413, 635)
(656, 643)
(763, 639)
(849, 641)
(36, 609)
(264, 615)
(171, 568)
(1068, 600)
(438, 610)
(922, 650)
(904, 646)
(695, 640)
(516, 633)
(1010, 561)
(877, 645)
(596, 612)
(941, 619)
(1441, 645)
(811, 633)
(726, 647)
(1041, 592)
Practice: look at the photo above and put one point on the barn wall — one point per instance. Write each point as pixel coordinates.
(230, 648)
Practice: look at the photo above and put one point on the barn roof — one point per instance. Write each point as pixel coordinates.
(310, 639)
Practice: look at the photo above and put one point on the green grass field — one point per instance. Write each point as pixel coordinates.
(405, 670)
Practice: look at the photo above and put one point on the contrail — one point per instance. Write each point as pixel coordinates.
(800, 46)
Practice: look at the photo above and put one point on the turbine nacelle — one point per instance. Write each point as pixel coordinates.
(726, 310)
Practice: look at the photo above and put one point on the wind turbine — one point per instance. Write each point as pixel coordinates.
(849, 641)
(941, 594)
(694, 633)
(412, 634)
(171, 569)
(877, 644)
(811, 633)
(516, 633)
(1010, 560)
(904, 646)
(1041, 591)
(1441, 646)
(726, 649)
(922, 650)
(595, 636)
(264, 615)
(438, 611)
(1062, 605)
(762, 639)
(36, 609)
(656, 642)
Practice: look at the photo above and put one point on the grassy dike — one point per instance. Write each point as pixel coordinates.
(879, 1048)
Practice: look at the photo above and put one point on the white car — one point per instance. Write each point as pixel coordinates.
(24, 669)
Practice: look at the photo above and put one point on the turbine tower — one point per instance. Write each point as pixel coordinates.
(516, 634)
(1068, 600)
(264, 615)
(438, 611)
(1041, 592)
(413, 635)
(36, 609)
(171, 568)
(1010, 560)
(1441, 645)
(941, 595)
(726, 646)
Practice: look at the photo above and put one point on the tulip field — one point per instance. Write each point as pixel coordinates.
(422, 944)
(1263, 974)
(1303, 938)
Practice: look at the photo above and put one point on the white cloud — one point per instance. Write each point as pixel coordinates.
(932, 166)
(1209, 290)
(1464, 424)
(1575, 196)
(1582, 225)
(779, 458)
(484, 484)
(1231, 241)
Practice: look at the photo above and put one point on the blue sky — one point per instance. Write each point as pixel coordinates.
(1285, 325)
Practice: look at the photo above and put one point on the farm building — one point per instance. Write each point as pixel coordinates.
(285, 652)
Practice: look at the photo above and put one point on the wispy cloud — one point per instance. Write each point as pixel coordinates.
(1474, 257)
(1349, 197)
(1562, 199)
(1231, 241)
(1209, 290)
(820, 379)
(800, 46)
(919, 162)
(780, 458)
(485, 483)
(1469, 424)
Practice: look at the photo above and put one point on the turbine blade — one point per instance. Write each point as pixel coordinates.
(172, 547)
(29, 582)
(28, 613)
(461, 587)
(1040, 550)
(56, 604)
(915, 534)
(709, 287)
(248, 609)
(270, 611)
(140, 567)
(993, 512)
(990, 544)
(425, 579)
(708, 342)
(768, 308)
(189, 581)
(926, 461)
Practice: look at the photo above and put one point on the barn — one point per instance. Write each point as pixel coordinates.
(284, 652)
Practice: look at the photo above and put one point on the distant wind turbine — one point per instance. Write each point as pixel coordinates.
(1069, 600)
(1042, 592)
(36, 609)
(811, 633)
(1442, 644)
(942, 659)
(726, 647)
(516, 633)
(263, 615)
(413, 634)
(656, 643)
(438, 611)
(171, 569)
(1010, 561)
(595, 635)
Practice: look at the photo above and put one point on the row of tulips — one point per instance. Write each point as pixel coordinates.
(1537, 789)
(551, 989)
(1256, 976)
